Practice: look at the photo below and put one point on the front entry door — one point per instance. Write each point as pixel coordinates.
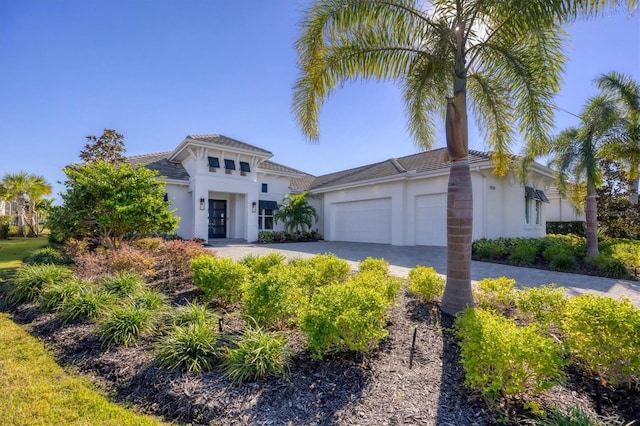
(217, 219)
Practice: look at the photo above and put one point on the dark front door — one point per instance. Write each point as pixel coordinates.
(217, 219)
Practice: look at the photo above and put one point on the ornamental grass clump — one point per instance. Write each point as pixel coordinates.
(123, 284)
(189, 347)
(89, 303)
(257, 354)
(149, 299)
(49, 256)
(30, 280)
(219, 278)
(194, 313)
(603, 335)
(426, 283)
(124, 325)
(54, 296)
(503, 360)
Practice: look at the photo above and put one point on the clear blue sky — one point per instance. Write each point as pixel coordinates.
(158, 70)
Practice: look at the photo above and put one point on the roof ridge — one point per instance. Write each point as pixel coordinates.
(149, 154)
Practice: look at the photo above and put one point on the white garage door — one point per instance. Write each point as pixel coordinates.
(366, 221)
(431, 220)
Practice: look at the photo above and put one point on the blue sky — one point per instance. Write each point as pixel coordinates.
(158, 70)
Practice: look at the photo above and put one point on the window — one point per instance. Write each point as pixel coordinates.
(527, 210)
(229, 165)
(214, 164)
(538, 212)
(265, 219)
(244, 167)
(265, 188)
(538, 197)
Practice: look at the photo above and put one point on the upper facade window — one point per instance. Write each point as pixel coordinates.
(214, 163)
(229, 165)
(244, 168)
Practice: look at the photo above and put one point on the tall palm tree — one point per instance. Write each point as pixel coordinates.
(576, 152)
(37, 188)
(14, 188)
(503, 56)
(626, 148)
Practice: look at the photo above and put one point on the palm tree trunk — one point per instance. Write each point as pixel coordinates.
(21, 215)
(591, 212)
(633, 191)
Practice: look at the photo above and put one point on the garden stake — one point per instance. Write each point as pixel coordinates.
(220, 324)
(413, 346)
(598, 397)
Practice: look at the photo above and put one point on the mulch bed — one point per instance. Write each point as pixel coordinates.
(392, 386)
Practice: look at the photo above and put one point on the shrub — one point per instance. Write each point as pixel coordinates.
(484, 249)
(123, 284)
(92, 265)
(344, 317)
(426, 283)
(265, 237)
(610, 267)
(258, 354)
(503, 360)
(543, 305)
(329, 268)
(603, 334)
(30, 280)
(54, 296)
(48, 255)
(194, 313)
(191, 347)
(219, 277)
(5, 226)
(263, 264)
(373, 264)
(88, 303)
(523, 253)
(174, 258)
(496, 294)
(553, 244)
(388, 287)
(273, 299)
(562, 262)
(124, 325)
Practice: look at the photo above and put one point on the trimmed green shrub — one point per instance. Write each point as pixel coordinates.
(373, 264)
(55, 295)
(553, 244)
(562, 262)
(426, 283)
(258, 354)
(263, 264)
(5, 226)
(30, 280)
(194, 313)
(123, 284)
(376, 280)
(484, 249)
(543, 305)
(126, 324)
(603, 334)
(265, 237)
(191, 347)
(523, 253)
(88, 303)
(610, 267)
(219, 277)
(273, 299)
(344, 317)
(496, 294)
(48, 255)
(503, 360)
(329, 268)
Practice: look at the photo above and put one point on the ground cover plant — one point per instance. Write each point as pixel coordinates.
(618, 258)
(206, 359)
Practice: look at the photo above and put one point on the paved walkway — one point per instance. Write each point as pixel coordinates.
(401, 259)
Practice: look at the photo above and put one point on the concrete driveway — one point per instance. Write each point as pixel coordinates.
(401, 259)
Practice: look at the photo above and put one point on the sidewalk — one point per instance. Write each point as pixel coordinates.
(401, 259)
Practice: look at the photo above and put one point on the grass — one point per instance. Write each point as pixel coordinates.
(33, 388)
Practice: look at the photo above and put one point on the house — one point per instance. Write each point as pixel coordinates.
(224, 188)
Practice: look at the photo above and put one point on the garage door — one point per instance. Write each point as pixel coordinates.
(431, 220)
(366, 221)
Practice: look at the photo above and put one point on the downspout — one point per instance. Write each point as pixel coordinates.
(484, 202)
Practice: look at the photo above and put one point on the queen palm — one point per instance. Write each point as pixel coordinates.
(626, 148)
(14, 187)
(37, 188)
(576, 152)
(503, 57)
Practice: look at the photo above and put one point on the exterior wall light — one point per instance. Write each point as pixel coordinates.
(253, 207)
(201, 203)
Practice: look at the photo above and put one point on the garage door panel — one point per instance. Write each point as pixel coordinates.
(431, 220)
(366, 221)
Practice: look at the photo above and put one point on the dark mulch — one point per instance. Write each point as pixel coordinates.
(396, 385)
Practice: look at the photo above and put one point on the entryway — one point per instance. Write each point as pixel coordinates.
(217, 218)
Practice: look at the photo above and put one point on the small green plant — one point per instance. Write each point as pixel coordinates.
(54, 296)
(328, 268)
(191, 347)
(523, 253)
(265, 237)
(426, 283)
(496, 294)
(30, 280)
(388, 287)
(603, 334)
(484, 249)
(194, 313)
(48, 255)
(373, 264)
(88, 303)
(149, 299)
(5, 226)
(610, 267)
(124, 325)
(502, 360)
(562, 262)
(543, 305)
(219, 277)
(258, 354)
(344, 317)
(123, 284)
(263, 264)
(573, 417)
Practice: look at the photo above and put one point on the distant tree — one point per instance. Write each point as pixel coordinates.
(625, 148)
(618, 217)
(26, 190)
(296, 213)
(111, 202)
(576, 152)
(37, 190)
(109, 147)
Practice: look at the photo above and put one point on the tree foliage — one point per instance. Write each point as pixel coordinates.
(296, 213)
(28, 192)
(109, 147)
(618, 217)
(111, 202)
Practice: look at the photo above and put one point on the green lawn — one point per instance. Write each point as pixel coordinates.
(34, 390)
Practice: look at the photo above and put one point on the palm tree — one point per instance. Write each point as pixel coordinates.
(626, 91)
(14, 188)
(577, 151)
(296, 213)
(503, 56)
(36, 190)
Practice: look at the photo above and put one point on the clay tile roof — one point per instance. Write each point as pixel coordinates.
(158, 161)
(232, 143)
